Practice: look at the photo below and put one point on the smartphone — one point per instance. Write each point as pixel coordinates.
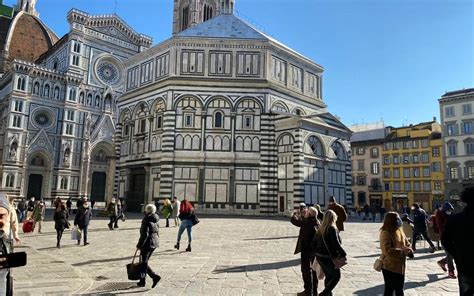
(14, 260)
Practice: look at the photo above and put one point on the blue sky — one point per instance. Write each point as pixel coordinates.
(388, 59)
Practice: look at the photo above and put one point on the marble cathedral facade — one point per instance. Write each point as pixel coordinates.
(229, 118)
(59, 110)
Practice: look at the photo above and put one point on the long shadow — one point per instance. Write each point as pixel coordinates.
(255, 267)
(429, 256)
(367, 256)
(102, 261)
(379, 289)
(90, 230)
(270, 238)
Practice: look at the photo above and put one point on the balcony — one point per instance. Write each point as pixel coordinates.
(376, 188)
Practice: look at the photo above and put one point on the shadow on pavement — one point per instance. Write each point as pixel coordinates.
(379, 290)
(102, 261)
(270, 238)
(256, 267)
(368, 256)
(429, 256)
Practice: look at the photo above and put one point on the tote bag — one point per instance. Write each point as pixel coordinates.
(135, 270)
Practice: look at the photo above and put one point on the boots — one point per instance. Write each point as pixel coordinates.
(188, 249)
(141, 283)
(156, 278)
(176, 246)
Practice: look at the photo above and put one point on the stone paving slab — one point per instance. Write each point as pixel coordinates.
(230, 256)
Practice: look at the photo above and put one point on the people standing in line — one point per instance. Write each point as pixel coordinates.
(69, 205)
(186, 213)
(112, 213)
(340, 212)
(82, 220)
(320, 215)
(307, 225)
(21, 210)
(441, 217)
(60, 217)
(148, 242)
(328, 247)
(395, 249)
(457, 239)
(420, 220)
(167, 211)
(382, 213)
(38, 215)
(175, 205)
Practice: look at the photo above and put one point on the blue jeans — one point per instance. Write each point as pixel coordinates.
(188, 225)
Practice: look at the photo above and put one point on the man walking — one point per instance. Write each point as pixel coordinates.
(441, 217)
(340, 212)
(457, 239)
(420, 219)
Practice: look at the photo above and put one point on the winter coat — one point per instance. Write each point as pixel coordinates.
(440, 220)
(60, 219)
(83, 217)
(21, 205)
(112, 210)
(420, 219)
(149, 233)
(166, 211)
(38, 212)
(333, 242)
(341, 214)
(31, 205)
(186, 215)
(457, 239)
(391, 245)
(306, 235)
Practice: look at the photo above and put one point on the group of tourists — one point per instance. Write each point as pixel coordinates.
(322, 254)
(370, 212)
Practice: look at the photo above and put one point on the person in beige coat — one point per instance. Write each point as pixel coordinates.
(11, 227)
(395, 249)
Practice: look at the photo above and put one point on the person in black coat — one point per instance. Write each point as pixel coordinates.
(457, 239)
(420, 220)
(60, 222)
(307, 225)
(148, 242)
(82, 220)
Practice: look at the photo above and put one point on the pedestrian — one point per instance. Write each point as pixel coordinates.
(157, 205)
(357, 210)
(457, 239)
(366, 212)
(420, 220)
(112, 213)
(38, 215)
(30, 207)
(4, 247)
(373, 211)
(175, 206)
(82, 220)
(167, 211)
(60, 217)
(92, 204)
(79, 203)
(307, 225)
(148, 242)
(382, 213)
(328, 248)
(320, 215)
(395, 249)
(119, 213)
(11, 229)
(56, 202)
(21, 210)
(340, 212)
(186, 215)
(441, 217)
(69, 205)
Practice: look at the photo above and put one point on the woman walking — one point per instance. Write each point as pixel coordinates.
(166, 211)
(329, 250)
(60, 222)
(148, 242)
(395, 249)
(186, 215)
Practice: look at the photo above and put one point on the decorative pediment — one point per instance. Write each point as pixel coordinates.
(41, 142)
(104, 131)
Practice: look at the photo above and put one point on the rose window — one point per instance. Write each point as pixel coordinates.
(108, 72)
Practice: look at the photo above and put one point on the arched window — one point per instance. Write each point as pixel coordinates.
(72, 94)
(338, 150)
(21, 83)
(315, 146)
(55, 65)
(218, 119)
(10, 181)
(63, 184)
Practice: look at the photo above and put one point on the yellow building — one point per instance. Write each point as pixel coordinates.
(412, 166)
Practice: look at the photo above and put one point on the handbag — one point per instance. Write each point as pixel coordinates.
(75, 234)
(135, 270)
(338, 262)
(194, 219)
(318, 269)
(378, 265)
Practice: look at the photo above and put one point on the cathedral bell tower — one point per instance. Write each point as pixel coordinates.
(188, 13)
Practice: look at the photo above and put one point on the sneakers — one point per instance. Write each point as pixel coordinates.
(442, 264)
(451, 275)
(156, 279)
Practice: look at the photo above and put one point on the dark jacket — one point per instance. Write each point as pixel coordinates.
(458, 240)
(341, 214)
(333, 242)
(31, 205)
(60, 219)
(186, 216)
(307, 231)
(83, 217)
(149, 233)
(419, 219)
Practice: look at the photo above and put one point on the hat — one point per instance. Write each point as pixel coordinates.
(4, 202)
(302, 205)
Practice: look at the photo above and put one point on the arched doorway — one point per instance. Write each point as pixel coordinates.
(101, 173)
(38, 176)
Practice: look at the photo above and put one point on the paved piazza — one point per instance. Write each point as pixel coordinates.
(231, 256)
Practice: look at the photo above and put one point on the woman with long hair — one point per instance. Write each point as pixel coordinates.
(60, 222)
(329, 249)
(186, 213)
(395, 249)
